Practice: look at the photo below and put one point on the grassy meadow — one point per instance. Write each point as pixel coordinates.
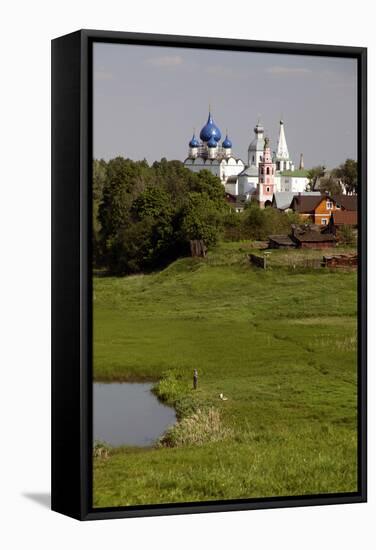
(281, 346)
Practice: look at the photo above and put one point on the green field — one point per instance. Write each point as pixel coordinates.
(280, 344)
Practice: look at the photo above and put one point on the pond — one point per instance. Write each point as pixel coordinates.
(129, 414)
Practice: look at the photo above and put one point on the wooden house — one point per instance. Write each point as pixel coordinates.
(282, 199)
(281, 241)
(340, 218)
(349, 203)
(313, 239)
(306, 236)
(318, 209)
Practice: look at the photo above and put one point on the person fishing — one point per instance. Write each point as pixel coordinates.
(195, 379)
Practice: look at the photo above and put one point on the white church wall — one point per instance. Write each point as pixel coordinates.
(223, 169)
(196, 165)
(231, 167)
(232, 188)
(298, 185)
(247, 184)
(291, 184)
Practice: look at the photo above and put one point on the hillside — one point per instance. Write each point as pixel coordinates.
(279, 344)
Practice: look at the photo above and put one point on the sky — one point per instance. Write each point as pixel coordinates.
(148, 100)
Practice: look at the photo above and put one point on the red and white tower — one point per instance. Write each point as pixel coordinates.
(266, 186)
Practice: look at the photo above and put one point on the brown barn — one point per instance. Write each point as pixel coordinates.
(314, 239)
(306, 236)
(281, 241)
(340, 218)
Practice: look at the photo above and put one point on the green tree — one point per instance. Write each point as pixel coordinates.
(330, 185)
(154, 202)
(206, 183)
(99, 178)
(348, 174)
(201, 219)
(125, 180)
(234, 226)
(149, 240)
(131, 248)
(99, 181)
(260, 223)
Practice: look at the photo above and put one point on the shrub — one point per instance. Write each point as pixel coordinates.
(346, 235)
(101, 450)
(203, 426)
(170, 387)
(260, 223)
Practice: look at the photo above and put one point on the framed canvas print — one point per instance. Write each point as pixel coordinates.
(208, 274)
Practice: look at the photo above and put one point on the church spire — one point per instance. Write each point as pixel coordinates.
(282, 150)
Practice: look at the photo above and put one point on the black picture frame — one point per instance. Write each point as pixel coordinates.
(71, 273)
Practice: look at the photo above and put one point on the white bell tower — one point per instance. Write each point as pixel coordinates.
(282, 158)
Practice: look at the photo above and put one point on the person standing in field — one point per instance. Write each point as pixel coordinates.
(195, 379)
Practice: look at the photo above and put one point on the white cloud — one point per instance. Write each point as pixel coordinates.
(165, 61)
(281, 70)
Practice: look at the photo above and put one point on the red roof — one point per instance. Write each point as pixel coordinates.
(306, 204)
(348, 202)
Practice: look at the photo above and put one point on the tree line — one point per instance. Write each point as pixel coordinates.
(331, 181)
(145, 216)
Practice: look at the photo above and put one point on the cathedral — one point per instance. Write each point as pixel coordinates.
(265, 173)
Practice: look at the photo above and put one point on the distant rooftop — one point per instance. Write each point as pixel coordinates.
(314, 237)
(282, 199)
(348, 202)
(295, 173)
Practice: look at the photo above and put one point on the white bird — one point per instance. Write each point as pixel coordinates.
(221, 396)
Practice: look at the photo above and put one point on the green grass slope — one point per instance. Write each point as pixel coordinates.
(280, 344)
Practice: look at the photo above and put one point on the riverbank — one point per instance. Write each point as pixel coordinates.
(279, 344)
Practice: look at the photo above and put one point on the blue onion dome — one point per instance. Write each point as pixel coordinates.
(212, 142)
(194, 142)
(210, 130)
(227, 143)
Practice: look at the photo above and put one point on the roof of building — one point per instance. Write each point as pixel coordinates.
(306, 203)
(210, 130)
(311, 236)
(282, 150)
(212, 142)
(345, 217)
(194, 142)
(257, 144)
(348, 202)
(295, 173)
(282, 240)
(203, 161)
(250, 171)
(227, 143)
(282, 199)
